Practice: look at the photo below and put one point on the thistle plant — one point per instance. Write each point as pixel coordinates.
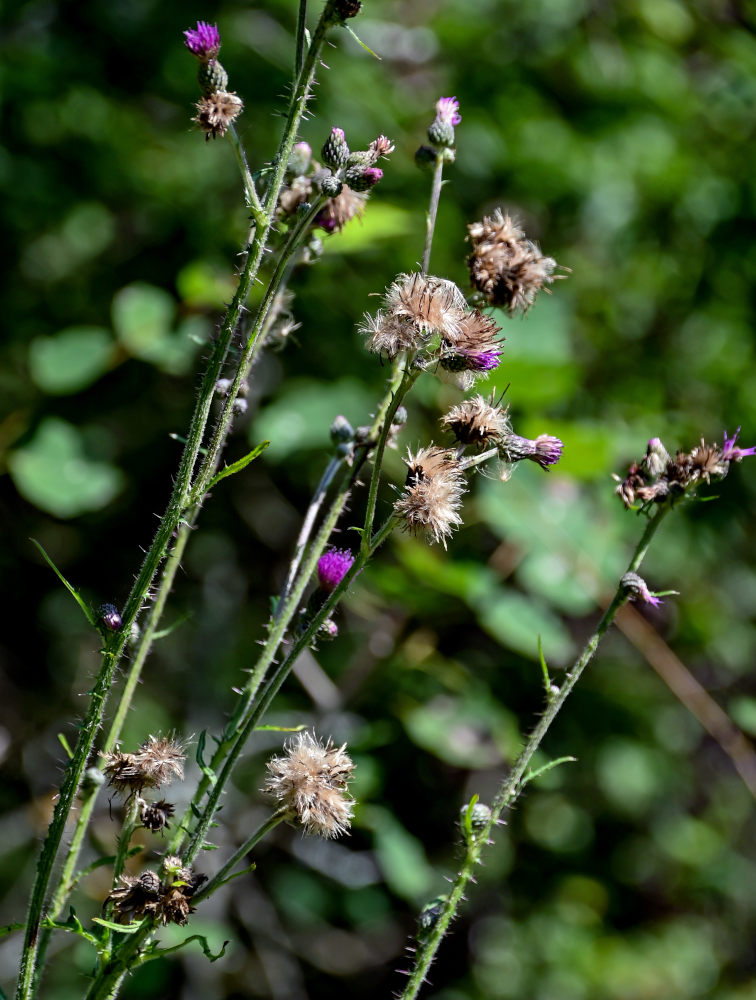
(426, 327)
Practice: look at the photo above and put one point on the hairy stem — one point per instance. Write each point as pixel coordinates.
(430, 225)
(514, 782)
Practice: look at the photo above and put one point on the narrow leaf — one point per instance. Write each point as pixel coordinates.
(170, 628)
(532, 775)
(242, 463)
(205, 768)
(360, 42)
(64, 743)
(467, 820)
(101, 862)
(544, 670)
(89, 614)
(159, 952)
(280, 729)
(6, 929)
(120, 928)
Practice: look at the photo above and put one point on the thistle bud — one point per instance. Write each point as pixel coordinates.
(335, 151)
(110, 617)
(345, 9)
(479, 816)
(333, 566)
(328, 629)
(429, 915)
(657, 458)
(212, 77)
(441, 130)
(341, 430)
(426, 157)
(331, 186)
(636, 589)
(300, 158)
(362, 179)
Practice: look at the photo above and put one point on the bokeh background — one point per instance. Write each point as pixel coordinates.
(621, 134)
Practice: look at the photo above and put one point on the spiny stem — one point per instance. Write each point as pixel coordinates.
(512, 785)
(221, 876)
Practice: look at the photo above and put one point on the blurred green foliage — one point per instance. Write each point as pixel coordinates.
(621, 134)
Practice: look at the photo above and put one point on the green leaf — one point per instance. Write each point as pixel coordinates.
(163, 632)
(205, 768)
(73, 925)
(120, 928)
(360, 42)
(242, 463)
(71, 360)
(53, 472)
(160, 952)
(65, 744)
(467, 818)
(107, 860)
(532, 775)
(280, 729)
(544, 671)
(89, 614)
(6, 929)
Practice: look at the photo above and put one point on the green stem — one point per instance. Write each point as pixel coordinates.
(301, 36)
(513, 784)
(435, 197)
(222, 876)
(271, 689)
(251, 197)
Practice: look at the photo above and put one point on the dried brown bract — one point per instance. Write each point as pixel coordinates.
(507, 269)
(216, 112)
(477, 421)
(433, 493)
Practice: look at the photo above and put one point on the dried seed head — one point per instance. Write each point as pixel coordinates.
(433, 493)
(155, 815)
(135, 897)
(475, 349)
(430, 304)
(162, 757)
(477, 421)
(506, 268)
(125, 773)
(310, 782)
(215, 112)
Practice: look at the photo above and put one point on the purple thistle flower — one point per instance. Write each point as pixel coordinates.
(483, 361)
(447, 111)
(203, 41)
(731, 453)
(333, 567)
(637, 589)
(545, 450)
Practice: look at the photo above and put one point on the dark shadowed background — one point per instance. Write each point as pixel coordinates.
(621, 134)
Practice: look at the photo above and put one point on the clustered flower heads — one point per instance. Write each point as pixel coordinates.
(217, 108)
(657, 476)
(433, 493)
(507, 269)
(167, 899)
(344, 177)
(310, 783)
(483, 422)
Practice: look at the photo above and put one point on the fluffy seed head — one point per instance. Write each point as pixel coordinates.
(477, 421)
(337, 211)
(507, 269)
(430, 304)
(433, 494)
(155, 815)
(311, 783)
(474, 350)
(215, 112)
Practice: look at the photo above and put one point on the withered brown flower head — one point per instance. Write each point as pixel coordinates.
(156, 763)
(477, 421)
(155, 815)
(415, 306)
(135, 897)
(433, 493)
(162, 757)
(310, 782)
(506, 268)
(706, 460)
(473, 351)
(216, 112)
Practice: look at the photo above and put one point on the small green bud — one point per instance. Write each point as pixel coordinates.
(335, 151)
(331, 186)
(341, 430)
(479, 816)
(429, 915)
